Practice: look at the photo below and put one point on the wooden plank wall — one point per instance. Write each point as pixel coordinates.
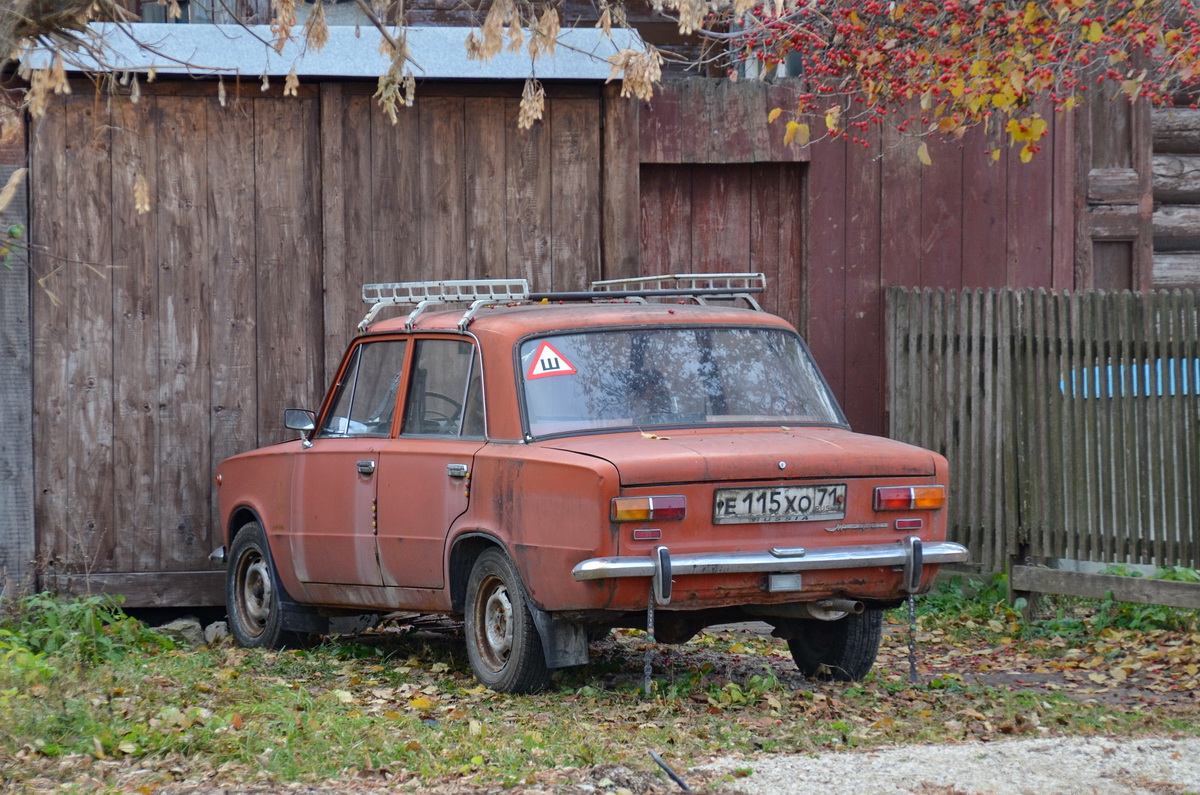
(852, 220)
(17, 542)
(879, 218)
(1060, 445)
(170, 340)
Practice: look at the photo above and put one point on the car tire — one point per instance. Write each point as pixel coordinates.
(503, 644)
(842, 650)
(252, 592)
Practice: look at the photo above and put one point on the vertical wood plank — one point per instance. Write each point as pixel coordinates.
(575, 205)
(900, 193)
(1030, 243)
(862, 338)
(136, 476)
(660, 127)
(941, 217)
(17, 539)
(620, 255)
(443, 223)
(666, 219)
(767, 229)
(234, 302)
(184, 289)
(530, 222)
(1063, 200)
(397, 210)
(73, 400)
(287, 249)
(339, 148)
(51, 317)
(1000, 391)
(486, 191)
(984, 211)
(1072, 453)
(792, 269)
(720, 218)
(826, 261)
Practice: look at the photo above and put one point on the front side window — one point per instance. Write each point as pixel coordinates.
(634, 378)
(366, 397)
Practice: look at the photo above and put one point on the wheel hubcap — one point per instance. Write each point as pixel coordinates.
(257, 593)
(496, 632)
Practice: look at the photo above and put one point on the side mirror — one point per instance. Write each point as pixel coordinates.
(299, 420)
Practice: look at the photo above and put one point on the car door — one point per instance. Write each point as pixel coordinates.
(426, 483)
(334, 514)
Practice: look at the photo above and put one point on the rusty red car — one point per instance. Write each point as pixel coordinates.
(654, 453)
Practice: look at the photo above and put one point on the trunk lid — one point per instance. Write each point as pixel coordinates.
(703, 455)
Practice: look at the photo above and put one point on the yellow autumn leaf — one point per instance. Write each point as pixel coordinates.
(738, 648)
(1095, 32)
(996, 155)
(923, 154)
(420, 703)
(833, 118)
(773, 115)
(1026, 154)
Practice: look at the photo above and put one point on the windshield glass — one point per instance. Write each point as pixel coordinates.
(634, 378)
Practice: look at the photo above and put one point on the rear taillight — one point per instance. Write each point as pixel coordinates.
(910, 498)
(644, 509)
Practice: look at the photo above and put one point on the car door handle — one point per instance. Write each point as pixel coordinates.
(365, 467)
(456, 470)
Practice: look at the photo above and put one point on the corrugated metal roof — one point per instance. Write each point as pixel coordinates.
(204, 50)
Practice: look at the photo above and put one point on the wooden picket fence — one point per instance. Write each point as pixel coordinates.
(1070, 420)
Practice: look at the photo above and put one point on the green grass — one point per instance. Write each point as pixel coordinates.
(89, 696)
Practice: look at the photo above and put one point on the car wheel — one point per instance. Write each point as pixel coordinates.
(502, 642)
(252, 592)
(842, 650)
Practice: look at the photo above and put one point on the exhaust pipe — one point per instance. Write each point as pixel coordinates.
(843, 605)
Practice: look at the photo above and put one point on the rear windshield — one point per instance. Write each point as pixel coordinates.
(638, 378)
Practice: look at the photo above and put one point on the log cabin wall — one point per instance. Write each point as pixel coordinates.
(167, 340)
(1176, 198)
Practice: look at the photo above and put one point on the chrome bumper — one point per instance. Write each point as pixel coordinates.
(910, 555)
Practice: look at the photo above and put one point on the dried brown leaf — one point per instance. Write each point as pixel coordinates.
(10, 188)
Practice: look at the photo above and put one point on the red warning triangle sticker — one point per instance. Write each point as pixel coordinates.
(549, 362)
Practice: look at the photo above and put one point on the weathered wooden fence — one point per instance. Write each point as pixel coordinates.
(1070, 419)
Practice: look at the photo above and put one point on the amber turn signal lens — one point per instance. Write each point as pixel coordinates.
(908, 498)
(644, 509)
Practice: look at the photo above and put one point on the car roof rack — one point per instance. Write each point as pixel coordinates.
(479, 293)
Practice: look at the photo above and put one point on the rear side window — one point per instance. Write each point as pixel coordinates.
(445, 392)
(366, 398)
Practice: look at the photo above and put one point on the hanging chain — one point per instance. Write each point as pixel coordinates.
(912, 638)
(648, 668)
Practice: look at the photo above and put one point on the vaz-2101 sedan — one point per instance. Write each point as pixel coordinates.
(549, 466)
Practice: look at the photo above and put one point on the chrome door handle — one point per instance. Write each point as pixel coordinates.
(365, 467)
(456, 470)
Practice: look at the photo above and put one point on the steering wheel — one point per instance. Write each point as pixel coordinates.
(441, 416)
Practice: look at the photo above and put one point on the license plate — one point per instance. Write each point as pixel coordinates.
(780, 504)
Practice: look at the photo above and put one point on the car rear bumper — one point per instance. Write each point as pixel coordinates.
(909, 555)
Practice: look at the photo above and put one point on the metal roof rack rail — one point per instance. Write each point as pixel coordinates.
(422, 295)
(700, 287)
